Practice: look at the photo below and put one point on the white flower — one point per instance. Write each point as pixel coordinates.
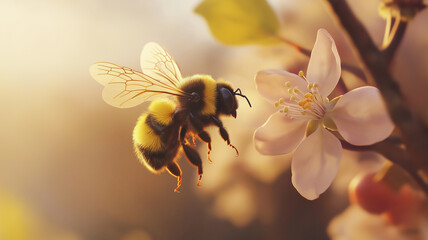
(359, 116)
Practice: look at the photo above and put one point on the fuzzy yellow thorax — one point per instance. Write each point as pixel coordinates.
(162, 110)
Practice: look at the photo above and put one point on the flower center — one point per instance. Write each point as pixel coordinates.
(307, 105)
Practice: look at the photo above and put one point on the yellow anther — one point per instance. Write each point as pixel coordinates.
(292, 98)
(301, 74)
(307, 105)
(310, 86)
(290, 90)
(315, 85)
(285, 109)
(276, 104)
(302, 102)
(287, 84)
(281, 101)
(309, 95)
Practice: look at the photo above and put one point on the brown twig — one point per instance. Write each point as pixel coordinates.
(394, 153)
(413, 132)
(299, 48)
(358, 72)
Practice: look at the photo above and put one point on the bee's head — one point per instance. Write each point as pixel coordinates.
(226, 101)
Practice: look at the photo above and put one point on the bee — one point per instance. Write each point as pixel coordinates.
(180, 108)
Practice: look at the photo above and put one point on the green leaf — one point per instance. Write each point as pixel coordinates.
(240, 22)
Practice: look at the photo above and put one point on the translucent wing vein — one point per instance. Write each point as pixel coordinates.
(125, 87)
(157, 63)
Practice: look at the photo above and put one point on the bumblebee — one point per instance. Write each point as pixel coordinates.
(180, 110)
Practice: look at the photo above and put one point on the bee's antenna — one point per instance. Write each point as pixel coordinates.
(239, 93)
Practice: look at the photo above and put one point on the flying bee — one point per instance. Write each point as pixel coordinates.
(181, 108)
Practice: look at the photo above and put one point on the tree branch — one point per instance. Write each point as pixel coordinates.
(391, 151)
(414, 133)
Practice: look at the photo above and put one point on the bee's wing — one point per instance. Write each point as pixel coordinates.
(125, 87)
(157, 63)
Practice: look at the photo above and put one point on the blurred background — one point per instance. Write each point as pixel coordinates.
(67, 166)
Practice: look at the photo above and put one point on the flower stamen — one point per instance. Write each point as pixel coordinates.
(308, 104)
(302, 75)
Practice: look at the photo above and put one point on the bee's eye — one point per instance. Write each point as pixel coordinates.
(228, 100)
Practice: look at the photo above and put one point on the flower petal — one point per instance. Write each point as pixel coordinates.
(279, 135)
(271, 84)
(324, 64)
(315, 163)
(361, 117)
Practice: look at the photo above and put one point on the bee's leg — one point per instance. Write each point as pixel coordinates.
(191, 154)
(203, 135)
(224, 134)
(174, 169)
(193, 140)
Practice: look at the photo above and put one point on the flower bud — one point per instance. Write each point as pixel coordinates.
(405, 10)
